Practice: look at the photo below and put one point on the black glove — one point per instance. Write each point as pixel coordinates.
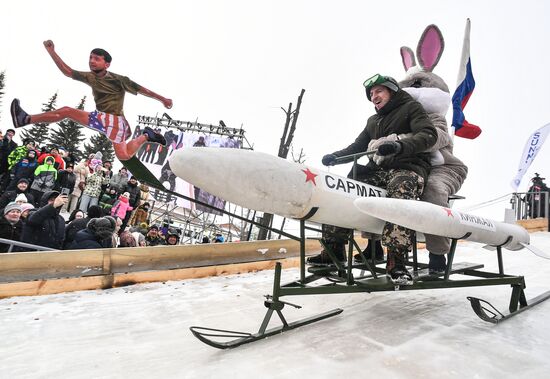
(329, 159)
(389, 148)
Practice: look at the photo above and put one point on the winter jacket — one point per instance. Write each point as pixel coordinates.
(18, 154)
(120, 207)
(44, 177)
(150, 241)
(400, 115)
(85, 239)
(106, 202)
(139, 216)
(59, 163)
(118, 182)
(81, 171)
(144, 194)
(24, 169)
(134, 192)
(72, 228)
(10, 232)
(66, 179)
(93, 184)
(44, 227)
(9, 196)
(6, 148)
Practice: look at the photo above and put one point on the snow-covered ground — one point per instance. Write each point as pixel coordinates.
(142, 331)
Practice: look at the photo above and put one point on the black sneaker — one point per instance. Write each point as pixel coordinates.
(153, 136)
(437, 264)
(400, 276)
(19, 116)
(324, 259)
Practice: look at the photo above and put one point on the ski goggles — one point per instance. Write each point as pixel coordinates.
(375, 80)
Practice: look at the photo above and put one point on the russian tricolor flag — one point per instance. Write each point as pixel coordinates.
(465, 87)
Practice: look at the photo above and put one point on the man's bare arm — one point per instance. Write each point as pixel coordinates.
(166, 102)
(66, 70)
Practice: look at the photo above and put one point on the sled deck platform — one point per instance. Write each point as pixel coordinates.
(206, 335)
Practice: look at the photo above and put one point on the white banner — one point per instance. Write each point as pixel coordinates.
(532, 147)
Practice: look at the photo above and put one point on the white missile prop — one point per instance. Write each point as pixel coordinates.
(434, 219)
(271, 184)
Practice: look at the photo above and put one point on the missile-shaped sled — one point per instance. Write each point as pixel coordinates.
(270, 184)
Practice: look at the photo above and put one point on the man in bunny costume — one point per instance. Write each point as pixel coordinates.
(401, 167)
(448, 172)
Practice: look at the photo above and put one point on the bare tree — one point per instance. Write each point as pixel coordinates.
(284, 146)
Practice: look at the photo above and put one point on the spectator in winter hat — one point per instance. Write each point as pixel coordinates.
(153, 238)
(45, 226)
(21, 198)
(76, 225)
(23, 169)
(121, 206)
(97, 234)
(25, 209)
(10, 225)
(22, 188)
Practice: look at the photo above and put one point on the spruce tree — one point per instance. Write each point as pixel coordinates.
(69, 134)
(39, 132)
(99, 142)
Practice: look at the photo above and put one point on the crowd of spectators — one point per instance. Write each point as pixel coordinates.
(49, 199)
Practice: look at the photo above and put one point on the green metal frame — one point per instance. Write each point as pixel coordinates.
(339, 278)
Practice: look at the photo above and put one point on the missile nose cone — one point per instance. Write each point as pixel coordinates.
(251, 179)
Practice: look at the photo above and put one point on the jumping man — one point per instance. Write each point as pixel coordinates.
(108, 89)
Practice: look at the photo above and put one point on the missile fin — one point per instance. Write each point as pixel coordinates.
(538, 252)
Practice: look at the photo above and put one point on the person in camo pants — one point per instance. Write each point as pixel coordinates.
(401, 167)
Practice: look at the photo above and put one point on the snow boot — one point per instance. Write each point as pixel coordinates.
(396, 270)
(324, 259)
(437, 264)
(379, 254)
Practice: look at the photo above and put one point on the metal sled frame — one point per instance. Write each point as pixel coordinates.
(339, 278)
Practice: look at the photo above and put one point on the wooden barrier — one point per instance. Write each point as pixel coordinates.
(534, 225)
(76, 263)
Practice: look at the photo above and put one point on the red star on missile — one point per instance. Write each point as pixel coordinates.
(449, 212)
(310, 176)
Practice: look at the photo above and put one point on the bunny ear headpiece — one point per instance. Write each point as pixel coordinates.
(407, 57)
(429, 50)
(430, 47)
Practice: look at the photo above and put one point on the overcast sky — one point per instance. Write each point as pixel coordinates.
(241, 61)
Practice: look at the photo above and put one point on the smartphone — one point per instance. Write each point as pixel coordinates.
(65, 191)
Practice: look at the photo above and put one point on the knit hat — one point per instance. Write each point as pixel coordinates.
(12, 206)
(126, 195)
(102, 227)
(22, 198)
(26, 207)
(23, 180)
(380, 80)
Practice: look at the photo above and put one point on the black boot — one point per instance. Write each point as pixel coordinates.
(324, 259)
(379, 254)
(437, 264)
(396, 270)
